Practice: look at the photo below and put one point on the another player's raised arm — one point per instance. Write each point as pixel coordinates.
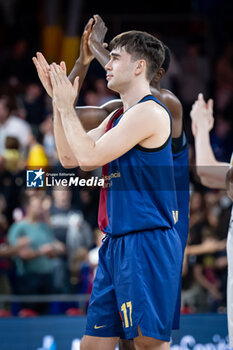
(96, 41)
(82, 63)
(212, 172)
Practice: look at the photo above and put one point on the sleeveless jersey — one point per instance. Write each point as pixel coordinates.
(140, 191)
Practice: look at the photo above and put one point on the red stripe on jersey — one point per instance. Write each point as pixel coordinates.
(102, 213)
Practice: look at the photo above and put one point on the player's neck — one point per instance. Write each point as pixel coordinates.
(134, 94)
(155, 85)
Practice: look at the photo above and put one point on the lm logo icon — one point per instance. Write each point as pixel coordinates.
(35, 178)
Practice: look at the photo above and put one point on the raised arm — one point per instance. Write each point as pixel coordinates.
(91, 117)
(96, 41)
(83, 62)
(212, 172)
(92, 46)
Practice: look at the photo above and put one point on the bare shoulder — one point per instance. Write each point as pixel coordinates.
(148, 114)
(151, 109)
(172, 102)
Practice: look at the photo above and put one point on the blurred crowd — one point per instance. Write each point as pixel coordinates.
(49, 239)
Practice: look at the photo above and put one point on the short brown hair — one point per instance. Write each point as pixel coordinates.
(141, 45)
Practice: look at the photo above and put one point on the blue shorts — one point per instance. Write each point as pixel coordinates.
(136, 284)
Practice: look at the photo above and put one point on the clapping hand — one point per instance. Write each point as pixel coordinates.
(43, 70)
(64, 93)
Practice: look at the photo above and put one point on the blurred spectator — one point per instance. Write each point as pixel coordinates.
(221, 139)
(34, 264)
(12, 126)
(224, 214)
(171, 78)
(37, 156)
(5, 252)
(16, 62)
(103, 93)
(89, 199)
(81, 272)
(70, 228)
(33, 102)
(79, 234)
(194, 298)
(224, 78)
(93, 255)
(10, 186)
(8, 9)
(195, 75)
(61, 212)
(197, 217)
(205, 273)
(46, 128)
(14, 160)
(190, 289)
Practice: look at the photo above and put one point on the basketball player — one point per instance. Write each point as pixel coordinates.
(142, 245)
(214, 174)
(179, 143)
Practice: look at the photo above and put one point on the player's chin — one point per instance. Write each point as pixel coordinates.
(111, 85)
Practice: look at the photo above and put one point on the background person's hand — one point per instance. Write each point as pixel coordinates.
(202, 114)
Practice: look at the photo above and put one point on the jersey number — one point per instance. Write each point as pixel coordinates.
(175, 216)
(126, 308)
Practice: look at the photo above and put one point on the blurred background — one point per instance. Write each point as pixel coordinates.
(200, 37)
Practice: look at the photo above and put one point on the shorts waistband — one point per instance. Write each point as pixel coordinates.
(134, 232)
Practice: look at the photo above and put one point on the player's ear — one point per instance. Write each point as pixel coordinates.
(158, 76)
(160, 73)
(140, 66)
